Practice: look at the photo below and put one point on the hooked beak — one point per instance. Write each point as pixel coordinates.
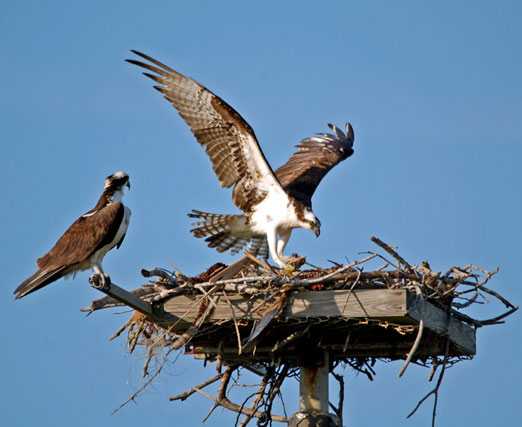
(127, 184)
(317, 231)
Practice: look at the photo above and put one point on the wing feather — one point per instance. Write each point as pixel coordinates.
(228, 139)
(84, 237)
(316, 156)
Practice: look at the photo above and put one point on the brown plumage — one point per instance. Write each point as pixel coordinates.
(224, 134)
(86, 241)
(274, 203)
(303, 172)
(86, 235)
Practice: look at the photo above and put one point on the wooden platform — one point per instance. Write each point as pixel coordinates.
(361, 323)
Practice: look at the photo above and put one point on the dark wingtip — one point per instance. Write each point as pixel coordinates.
(150, 59)
(134, 62)
(349, 131)
(137, 52)
(19, 292)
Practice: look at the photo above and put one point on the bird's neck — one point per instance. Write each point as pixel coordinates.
(109, 196)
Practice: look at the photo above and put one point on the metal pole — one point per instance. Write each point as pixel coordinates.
(313, 386)
(313, 392)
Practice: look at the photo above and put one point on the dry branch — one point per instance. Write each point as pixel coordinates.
(194, 389)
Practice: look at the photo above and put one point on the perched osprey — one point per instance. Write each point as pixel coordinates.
(274, 203)
(86, 241)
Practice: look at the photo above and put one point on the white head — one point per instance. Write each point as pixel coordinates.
(115, 184)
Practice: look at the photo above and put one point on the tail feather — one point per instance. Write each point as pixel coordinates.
(258, 246)
(228, 233)
(38, 280)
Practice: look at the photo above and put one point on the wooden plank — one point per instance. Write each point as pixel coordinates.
(361, 303)
(462, 335)
(231, 270)
(395, 305)
(364, 303)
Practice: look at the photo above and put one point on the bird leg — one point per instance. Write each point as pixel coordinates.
(281, 245)
(271, 237)
(292, 262)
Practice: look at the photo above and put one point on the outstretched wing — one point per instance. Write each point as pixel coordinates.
(228, 139)
(85, 236)
(303, 172)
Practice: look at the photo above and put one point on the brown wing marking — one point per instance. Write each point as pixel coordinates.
(228, 139)
(303, 172)
(84, 237)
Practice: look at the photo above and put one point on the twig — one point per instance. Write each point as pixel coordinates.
(190, 392)
(435, 391)
(239, 346)
(339, 410)
(259, 395)
(209, 413)
(419, 333)
(184, 338)
(498, 296)
(328, 276)
(145, 369)
(139, 390)
(294, 335)
(274, 391)
(351, 289)
(223, 401)
(258, 261)
(388, 249)
(495, 320)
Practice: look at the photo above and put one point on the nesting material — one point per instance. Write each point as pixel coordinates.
(251, 315)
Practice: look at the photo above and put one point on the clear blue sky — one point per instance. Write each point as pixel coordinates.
(433, 90)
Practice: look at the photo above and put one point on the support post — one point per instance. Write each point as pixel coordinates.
(313, 385)
(121, 295)
(313, 392)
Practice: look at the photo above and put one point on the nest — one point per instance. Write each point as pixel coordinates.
(267, 340)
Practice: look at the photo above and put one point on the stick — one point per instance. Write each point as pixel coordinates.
(259, 395)
(188, 393)
(139, 390)
(435, 391)
(190, 332)
(419, 333)
(339, 410)
(223, 401)
(239, 346)
(328, 276)
(388, 249)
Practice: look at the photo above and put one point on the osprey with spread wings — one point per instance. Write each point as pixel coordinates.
(273, 203)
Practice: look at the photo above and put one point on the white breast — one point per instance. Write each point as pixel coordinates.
(274, 211)
(97, 257)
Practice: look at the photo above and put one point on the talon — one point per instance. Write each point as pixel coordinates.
(99, 281)
(292, 263)
(288, 269)
(285, 258)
